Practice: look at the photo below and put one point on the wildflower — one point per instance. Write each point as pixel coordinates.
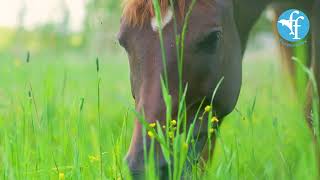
(150, 134)
(163, 126)
(214, 119)
(76, 41)
(93, 158)
(173, 122)
(211, 130)
(171, 135)
(207, 108)
(61, 176)
(152, 125)
(185, 145)
(17, 62)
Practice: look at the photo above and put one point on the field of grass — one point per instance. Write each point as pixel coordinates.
(61, 119)
(50, 126)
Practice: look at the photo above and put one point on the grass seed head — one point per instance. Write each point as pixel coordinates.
(28, 57)
(81, 103)
(97, 64)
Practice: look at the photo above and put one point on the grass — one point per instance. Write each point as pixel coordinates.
(55, 128)
(70, 116)
(57, 123)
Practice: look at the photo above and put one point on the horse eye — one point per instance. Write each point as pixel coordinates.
(209, 42)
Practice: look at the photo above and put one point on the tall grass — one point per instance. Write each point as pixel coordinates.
(72, 141)
(301, 77)
(275, 128)
(99, 115)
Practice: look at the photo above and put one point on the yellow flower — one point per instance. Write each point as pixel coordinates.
(93, 158)
(171, 135)
(17, 62)
(163, 126)
(152, 125)
(207, 108)
(150, 134)
(214, 119)
(76, 41)
(185, 145)
(211, 130)
(173, 122)
(61, 176)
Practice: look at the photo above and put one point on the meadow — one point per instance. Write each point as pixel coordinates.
(60, 118)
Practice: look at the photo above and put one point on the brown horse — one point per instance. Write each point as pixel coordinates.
(214, 46)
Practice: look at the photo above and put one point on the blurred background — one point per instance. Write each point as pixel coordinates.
(50, 125)
(59, 25)
(66, 25)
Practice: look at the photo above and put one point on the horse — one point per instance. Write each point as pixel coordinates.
(214, 46)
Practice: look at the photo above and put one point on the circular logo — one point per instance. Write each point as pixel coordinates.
(293, 25)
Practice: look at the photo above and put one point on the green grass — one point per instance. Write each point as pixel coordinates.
(47, 128)
(45, 132)
(60, 117)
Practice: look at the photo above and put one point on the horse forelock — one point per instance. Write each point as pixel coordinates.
(139, 12)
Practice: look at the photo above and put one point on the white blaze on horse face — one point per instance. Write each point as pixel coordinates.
(164, 20)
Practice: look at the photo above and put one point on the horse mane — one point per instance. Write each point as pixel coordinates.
(138, 12)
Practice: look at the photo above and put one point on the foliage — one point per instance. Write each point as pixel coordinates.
(66, 114)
